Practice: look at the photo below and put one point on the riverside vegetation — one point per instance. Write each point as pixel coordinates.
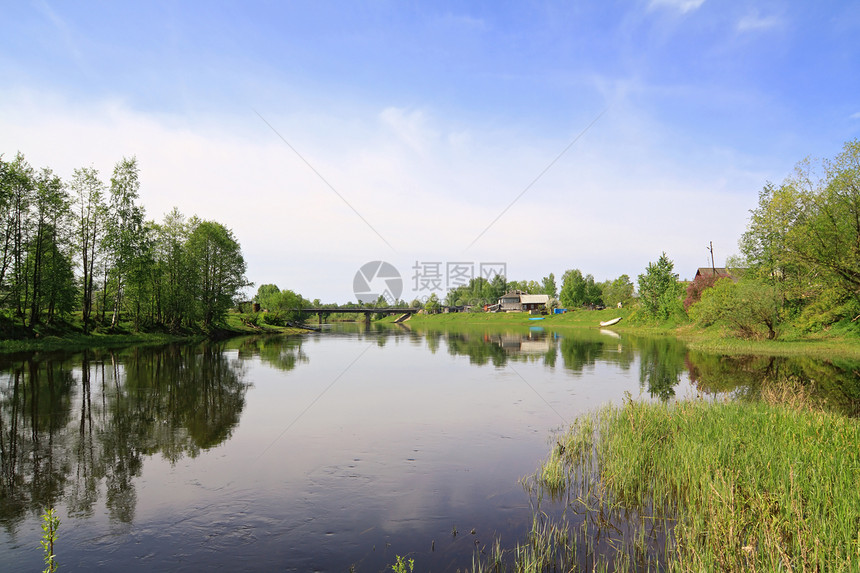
(698, 486)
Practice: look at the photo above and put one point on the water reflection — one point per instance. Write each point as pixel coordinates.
(76, 430)
(661, 366)
(78, 426)
(833, 383)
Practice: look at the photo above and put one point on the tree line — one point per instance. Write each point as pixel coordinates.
(798, 267)
(84, 245)
(801, 251)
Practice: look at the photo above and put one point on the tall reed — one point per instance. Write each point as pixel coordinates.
(772, 485)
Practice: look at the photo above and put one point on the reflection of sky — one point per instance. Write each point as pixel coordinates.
(360, 446)
(398, 443)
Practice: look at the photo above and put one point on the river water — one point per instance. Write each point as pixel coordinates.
(332, 451)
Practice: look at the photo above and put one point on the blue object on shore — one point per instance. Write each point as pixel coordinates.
(538, 318)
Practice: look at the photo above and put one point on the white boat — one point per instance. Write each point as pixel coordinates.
(610, 322)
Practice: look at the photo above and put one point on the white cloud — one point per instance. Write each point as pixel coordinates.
(612, 203)
(682, 6)
(854, 115)
(754, 21)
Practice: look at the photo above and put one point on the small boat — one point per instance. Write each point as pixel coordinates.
(611, 322)
(541, 318)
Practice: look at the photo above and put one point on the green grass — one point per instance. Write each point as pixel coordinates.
(739, 486)
(837, 342)
(577, 319)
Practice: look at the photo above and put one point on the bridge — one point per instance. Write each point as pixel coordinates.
(368, 312)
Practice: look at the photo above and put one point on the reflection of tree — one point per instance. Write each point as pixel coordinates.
(587, 347)
(69, 427)
(281, 352)
(835, 383)
(433, 337)
(578, 354)
(660, 366)
(480, 351)
(579, 349)
(34, 410)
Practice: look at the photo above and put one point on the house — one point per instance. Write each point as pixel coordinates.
(517, 301)
(707, 272)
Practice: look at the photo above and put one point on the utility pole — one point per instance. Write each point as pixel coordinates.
(711, 248)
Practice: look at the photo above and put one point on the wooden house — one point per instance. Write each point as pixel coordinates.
(519, 301)
(720, 273)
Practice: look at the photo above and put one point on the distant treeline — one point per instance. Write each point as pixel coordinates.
(799, 267)
(84, 245)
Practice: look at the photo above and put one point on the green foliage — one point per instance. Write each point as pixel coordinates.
(804, 236)
(152, 274)
(125, 243)
(577, 290)
(751, 307)
(267, 296)
(619, 291)
(479, 291)
(659, 289)
(829, 306)
(696, 287)
(50, 524)
(548, 286)
(217, 271)
(433, 305)
(281, 306)
(403, 565)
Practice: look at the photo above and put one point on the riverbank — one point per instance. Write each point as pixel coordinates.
(837, 342)
(703, 486)
(70, 336)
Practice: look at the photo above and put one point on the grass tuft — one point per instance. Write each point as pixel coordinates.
(772, 485)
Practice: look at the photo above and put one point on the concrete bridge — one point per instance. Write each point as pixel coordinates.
(368, 312)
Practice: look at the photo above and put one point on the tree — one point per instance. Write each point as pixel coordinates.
(659, 290)
(46, 263)
(804, 236)
(750, 307)
(216, 271)
(432, 305)
(619, 291)
(827, 235)
(577, 290)
(267, 296)
(88, 192)
(171, 270)
(767, 243)
(124, 240)
(548, 286)
(17, 196)
(282, 306)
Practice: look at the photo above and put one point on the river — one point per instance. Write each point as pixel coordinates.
(332, 451)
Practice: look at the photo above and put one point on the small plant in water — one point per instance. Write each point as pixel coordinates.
(403, 565)
(50, 524)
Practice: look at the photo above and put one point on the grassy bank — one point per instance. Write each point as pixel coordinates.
(700, 486)
(836, 342)
(70, 335)
(577, 319)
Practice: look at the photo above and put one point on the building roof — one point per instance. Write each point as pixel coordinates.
(708, 271)
(534, 298)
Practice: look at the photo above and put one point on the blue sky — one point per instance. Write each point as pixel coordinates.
(429, 119)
